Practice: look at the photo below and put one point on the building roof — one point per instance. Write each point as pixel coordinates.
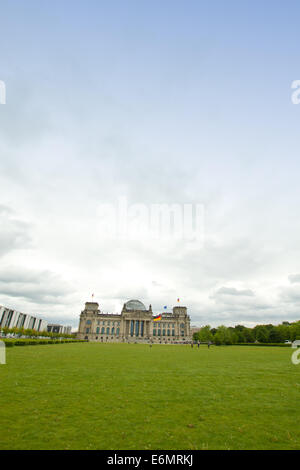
(134, 305)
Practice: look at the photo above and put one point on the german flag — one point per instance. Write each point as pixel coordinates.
(157, 318)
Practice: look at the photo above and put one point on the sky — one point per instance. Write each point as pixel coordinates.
(158, 103)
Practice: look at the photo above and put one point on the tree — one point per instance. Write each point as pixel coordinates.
(223, 336)
(261, 333)
(205, 334)
(5, 330)
(239, 331)
(249, 335)
(196, 336)
(284, 331)
(294, 330)
(275, 336)
(28, 332)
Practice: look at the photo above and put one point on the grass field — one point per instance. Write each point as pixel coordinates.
(130, 396)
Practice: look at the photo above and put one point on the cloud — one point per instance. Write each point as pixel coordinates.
(290, 295)
(294, 278)
(234, 291)
(14, 233)
(40, 287)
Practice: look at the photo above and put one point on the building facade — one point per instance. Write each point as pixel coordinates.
(194, 329)
(13, 319)
(134, 324)
(61, 329)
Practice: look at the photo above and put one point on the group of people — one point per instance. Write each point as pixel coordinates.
(209, 343)
(198, 344)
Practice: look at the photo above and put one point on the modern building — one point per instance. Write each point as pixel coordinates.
(194, 329)
(55, 328)
(12, 318)
(134, 324)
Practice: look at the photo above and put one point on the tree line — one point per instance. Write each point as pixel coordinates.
(29, 333)
(241, 334)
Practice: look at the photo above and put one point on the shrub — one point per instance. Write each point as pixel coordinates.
(34, 342)
(8, 343)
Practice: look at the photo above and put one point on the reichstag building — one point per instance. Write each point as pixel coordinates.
(134, 324)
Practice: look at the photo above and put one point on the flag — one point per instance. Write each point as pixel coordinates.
(157, 318)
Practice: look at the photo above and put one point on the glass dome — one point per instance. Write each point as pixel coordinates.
(134, 305)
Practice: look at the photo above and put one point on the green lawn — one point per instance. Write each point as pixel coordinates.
(121, 396)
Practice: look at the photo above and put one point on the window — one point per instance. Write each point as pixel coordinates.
(158, 332)
(88, 322)
(87, 330)
(182, 326)
(154, 332)
(118, 331)
(97, 330)
(164, 332)
(168, 332)
(102, 330)
(107, 331)
(173, 332)
(113, 331)
(182, 333)
(142, 327)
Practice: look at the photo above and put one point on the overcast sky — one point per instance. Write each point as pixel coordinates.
(157, 102)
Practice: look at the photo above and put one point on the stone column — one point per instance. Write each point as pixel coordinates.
(122, 327)
(150, 329)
